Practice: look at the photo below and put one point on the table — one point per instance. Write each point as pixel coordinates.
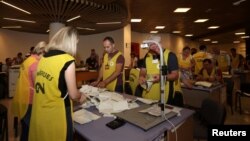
(98, 131)
(86, 75)
(194, 96)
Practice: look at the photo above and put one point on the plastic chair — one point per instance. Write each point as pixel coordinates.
(3, 123)
(211, 113)
(243, 92)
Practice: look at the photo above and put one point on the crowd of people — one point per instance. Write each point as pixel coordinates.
(47, 86)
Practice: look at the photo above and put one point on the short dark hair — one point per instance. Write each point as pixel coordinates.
(202, 47)
(207, 60)
(110, 39)
(186, 48)
(233, 49)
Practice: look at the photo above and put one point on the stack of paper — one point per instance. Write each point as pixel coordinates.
(83, 116)
(203, 83)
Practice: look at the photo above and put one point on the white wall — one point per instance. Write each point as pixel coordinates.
(12, 42)
(170, 41)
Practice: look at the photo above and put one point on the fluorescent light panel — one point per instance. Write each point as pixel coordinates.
(153, 31)
(176, 32)
(214, 42)
(11, 5)
(110, 23)
(48, 30)
(207, 40)
(201, 20)
(135, 20)
(159, 27)
(181, 10)
(85, 28)
(19, 20)
(240, 33)
(213, 27)
(11, 26)
(244, 37)
(189, 35)
(76, 17)
(236, 42)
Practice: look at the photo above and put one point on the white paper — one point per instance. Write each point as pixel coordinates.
(83, 116)
(147, 101)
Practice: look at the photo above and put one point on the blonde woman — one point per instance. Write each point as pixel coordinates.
(22, 101)
(55, 85)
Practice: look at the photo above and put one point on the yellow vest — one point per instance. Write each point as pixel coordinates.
(23, 89)
(185, 63)
(199, 57)
(206, 75)
(50, 111)
(222, 62)
(109, 67)
(235, 61)
(133, 79)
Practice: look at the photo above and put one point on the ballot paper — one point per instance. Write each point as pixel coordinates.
(155, 110)
(146, 101)
(111, 106)
(204, 84)
(83, 116)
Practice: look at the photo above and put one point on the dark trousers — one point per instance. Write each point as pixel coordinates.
(25, 123)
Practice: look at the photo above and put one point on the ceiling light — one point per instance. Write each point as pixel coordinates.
(238, 2)
(76, 17)
(20, 20)
(244, 37)
(213, 27)
(11, 26)
(189, 35)
(110, 23)
(15, 7)
(214, 42)
(181, 10)
(201, 20)
(159, 27)
(240, 33)
(207, 40)
(85, 28)
(48, 30)
(236, 42)
(135, 20)
(153, 31)
(176, 32)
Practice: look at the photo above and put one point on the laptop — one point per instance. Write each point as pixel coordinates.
(143, 120)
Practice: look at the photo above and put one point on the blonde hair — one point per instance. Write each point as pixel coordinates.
(65, 39)
(40, 47)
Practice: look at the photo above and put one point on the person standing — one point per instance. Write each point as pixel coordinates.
(236, 60)
(111, 75)
(22, 101)
(55, 87)
(92, 61)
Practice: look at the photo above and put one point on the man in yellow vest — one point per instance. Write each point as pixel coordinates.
(150, 72)
(221, 59)
(111, 71)
(199, 57)
(236, 60)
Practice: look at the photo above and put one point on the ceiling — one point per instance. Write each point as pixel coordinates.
(230, 15)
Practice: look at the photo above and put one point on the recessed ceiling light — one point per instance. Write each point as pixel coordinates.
(48, 30)
(181, 10)
(244, 37)
(19, 20)
(189, 35)
(20, 9)
(176, 32)
(214, 42)
(236, 42)
(213, 27)
(238, 2)
(159, 27)
(76, 17)
(207, 40)
(201, 20)
(153, 31)
(11, 26)
(135, 20)
(240, 33)
(110, 23)
(85, 28)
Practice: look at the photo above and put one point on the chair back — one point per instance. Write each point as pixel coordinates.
(133, 79)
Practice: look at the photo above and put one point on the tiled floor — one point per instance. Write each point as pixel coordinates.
(236, 118)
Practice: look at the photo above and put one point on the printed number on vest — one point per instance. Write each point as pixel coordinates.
(39, 88)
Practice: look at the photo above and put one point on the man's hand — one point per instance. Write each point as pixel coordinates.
(95, 83)
(102, 84)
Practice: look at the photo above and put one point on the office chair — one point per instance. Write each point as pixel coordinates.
(243, 92)
(211, 113)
